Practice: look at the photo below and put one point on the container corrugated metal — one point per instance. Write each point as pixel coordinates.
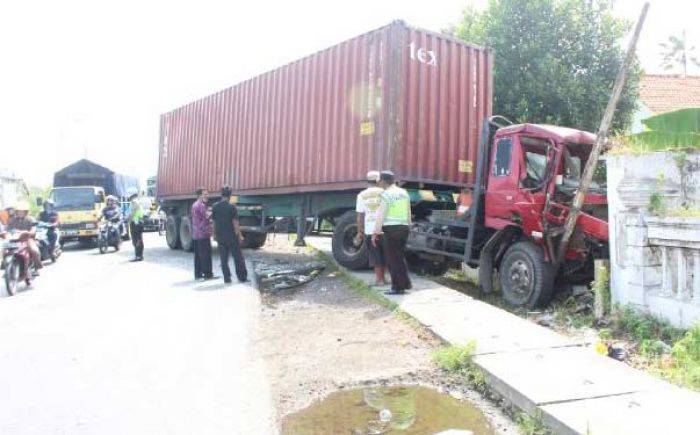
(395, 98)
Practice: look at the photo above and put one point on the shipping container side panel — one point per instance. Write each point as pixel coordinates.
(395, 98)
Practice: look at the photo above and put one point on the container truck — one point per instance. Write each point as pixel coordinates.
(79, 192)
(295, 144)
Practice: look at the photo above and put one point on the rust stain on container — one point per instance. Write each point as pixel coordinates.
(395, 98)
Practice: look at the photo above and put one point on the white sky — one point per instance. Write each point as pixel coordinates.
(90, 78)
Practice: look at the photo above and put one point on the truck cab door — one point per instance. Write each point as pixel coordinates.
(502, 186)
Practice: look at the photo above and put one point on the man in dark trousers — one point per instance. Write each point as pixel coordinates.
(393, 221)
(136, 226)
(201, 235)
(229, 236)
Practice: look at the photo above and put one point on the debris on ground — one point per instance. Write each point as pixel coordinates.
(282, 276)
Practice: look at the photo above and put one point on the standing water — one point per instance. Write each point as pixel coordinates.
(387, 410)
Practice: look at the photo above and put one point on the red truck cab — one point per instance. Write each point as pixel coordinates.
(527, 176)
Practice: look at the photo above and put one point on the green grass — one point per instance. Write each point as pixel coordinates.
(682, 366)
(626, 322)
(532, 424)
(459, 360)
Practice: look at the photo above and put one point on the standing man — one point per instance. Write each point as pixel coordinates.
(201, 234)
(367, 207)
(229, 236)
(393, 221)
(136, 226)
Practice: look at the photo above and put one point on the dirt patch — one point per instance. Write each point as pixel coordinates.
(322, 337)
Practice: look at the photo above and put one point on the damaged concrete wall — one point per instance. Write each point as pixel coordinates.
(654, 257)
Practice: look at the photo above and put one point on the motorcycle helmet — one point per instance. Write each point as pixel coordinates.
(21, 206)
(111, 198)
(131, 193)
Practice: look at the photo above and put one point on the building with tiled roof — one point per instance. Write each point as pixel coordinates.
(659, 93)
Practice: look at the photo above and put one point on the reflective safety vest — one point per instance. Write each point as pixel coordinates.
(398, 206)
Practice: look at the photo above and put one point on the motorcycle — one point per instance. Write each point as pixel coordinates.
(16, 261)
(109, 235)
(42, 237)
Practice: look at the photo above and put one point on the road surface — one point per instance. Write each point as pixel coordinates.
(104, 346)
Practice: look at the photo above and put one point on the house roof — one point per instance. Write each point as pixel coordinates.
(664, 93)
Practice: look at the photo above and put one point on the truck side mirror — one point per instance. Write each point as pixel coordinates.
(99, 198)
(39, 201)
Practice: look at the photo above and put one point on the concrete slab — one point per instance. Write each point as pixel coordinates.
(673, 411)
(549, 376)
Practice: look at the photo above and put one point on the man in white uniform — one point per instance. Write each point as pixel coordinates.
(367, 206)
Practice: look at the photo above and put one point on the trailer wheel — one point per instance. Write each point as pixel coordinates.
(186, 234)
(344, 250)
(253, 240)
(172, 232)
(526, 279)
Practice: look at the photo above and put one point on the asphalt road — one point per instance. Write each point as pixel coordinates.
(103, 346)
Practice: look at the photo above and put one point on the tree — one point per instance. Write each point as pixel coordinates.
(676, 52)
(555, 61)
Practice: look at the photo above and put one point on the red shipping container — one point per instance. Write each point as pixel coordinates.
(395, 98)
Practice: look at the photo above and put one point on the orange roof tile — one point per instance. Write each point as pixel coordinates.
(664, 93)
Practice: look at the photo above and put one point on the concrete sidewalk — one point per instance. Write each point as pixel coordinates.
(533, 367)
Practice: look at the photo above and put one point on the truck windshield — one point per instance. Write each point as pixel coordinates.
(73, 199)
(575, 157)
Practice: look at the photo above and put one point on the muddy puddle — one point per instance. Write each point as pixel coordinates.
(388, 410)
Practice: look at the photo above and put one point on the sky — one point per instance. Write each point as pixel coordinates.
(90, 78)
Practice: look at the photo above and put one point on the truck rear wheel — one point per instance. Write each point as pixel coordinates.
(526, 279)
(253, 240)
(344, 250)
(172, 232)
(186, 234)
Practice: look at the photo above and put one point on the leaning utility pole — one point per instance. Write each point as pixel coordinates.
(600, 140)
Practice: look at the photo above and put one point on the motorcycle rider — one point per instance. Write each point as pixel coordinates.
(113, 213)
(21, 221)
(50, 218)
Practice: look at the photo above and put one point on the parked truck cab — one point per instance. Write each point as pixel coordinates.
(526, 179)
(79, 209)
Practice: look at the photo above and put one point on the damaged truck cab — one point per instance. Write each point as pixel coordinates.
(526, 179)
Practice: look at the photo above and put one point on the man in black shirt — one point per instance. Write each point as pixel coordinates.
(229, 236)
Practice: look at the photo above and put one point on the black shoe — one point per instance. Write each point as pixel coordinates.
(140, 259)
(134, 260)
(209, 277)
(243, 280)
(395, 292)
(227, 280)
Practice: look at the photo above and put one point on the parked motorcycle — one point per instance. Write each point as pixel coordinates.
(16, 261)
(42, 237)
(109, 235)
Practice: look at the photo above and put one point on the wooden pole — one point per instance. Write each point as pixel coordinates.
(600, 140)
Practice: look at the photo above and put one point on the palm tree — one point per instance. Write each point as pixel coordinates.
(676, 52)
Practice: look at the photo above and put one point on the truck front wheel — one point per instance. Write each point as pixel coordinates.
(526, 279)
(344, 250)
(172, 232)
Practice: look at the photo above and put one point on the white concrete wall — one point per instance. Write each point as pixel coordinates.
(645, 267)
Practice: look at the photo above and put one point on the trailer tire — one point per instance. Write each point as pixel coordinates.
(526, 279)
(186, 240)
(253, 240)
(172, 232)
(344, 251)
